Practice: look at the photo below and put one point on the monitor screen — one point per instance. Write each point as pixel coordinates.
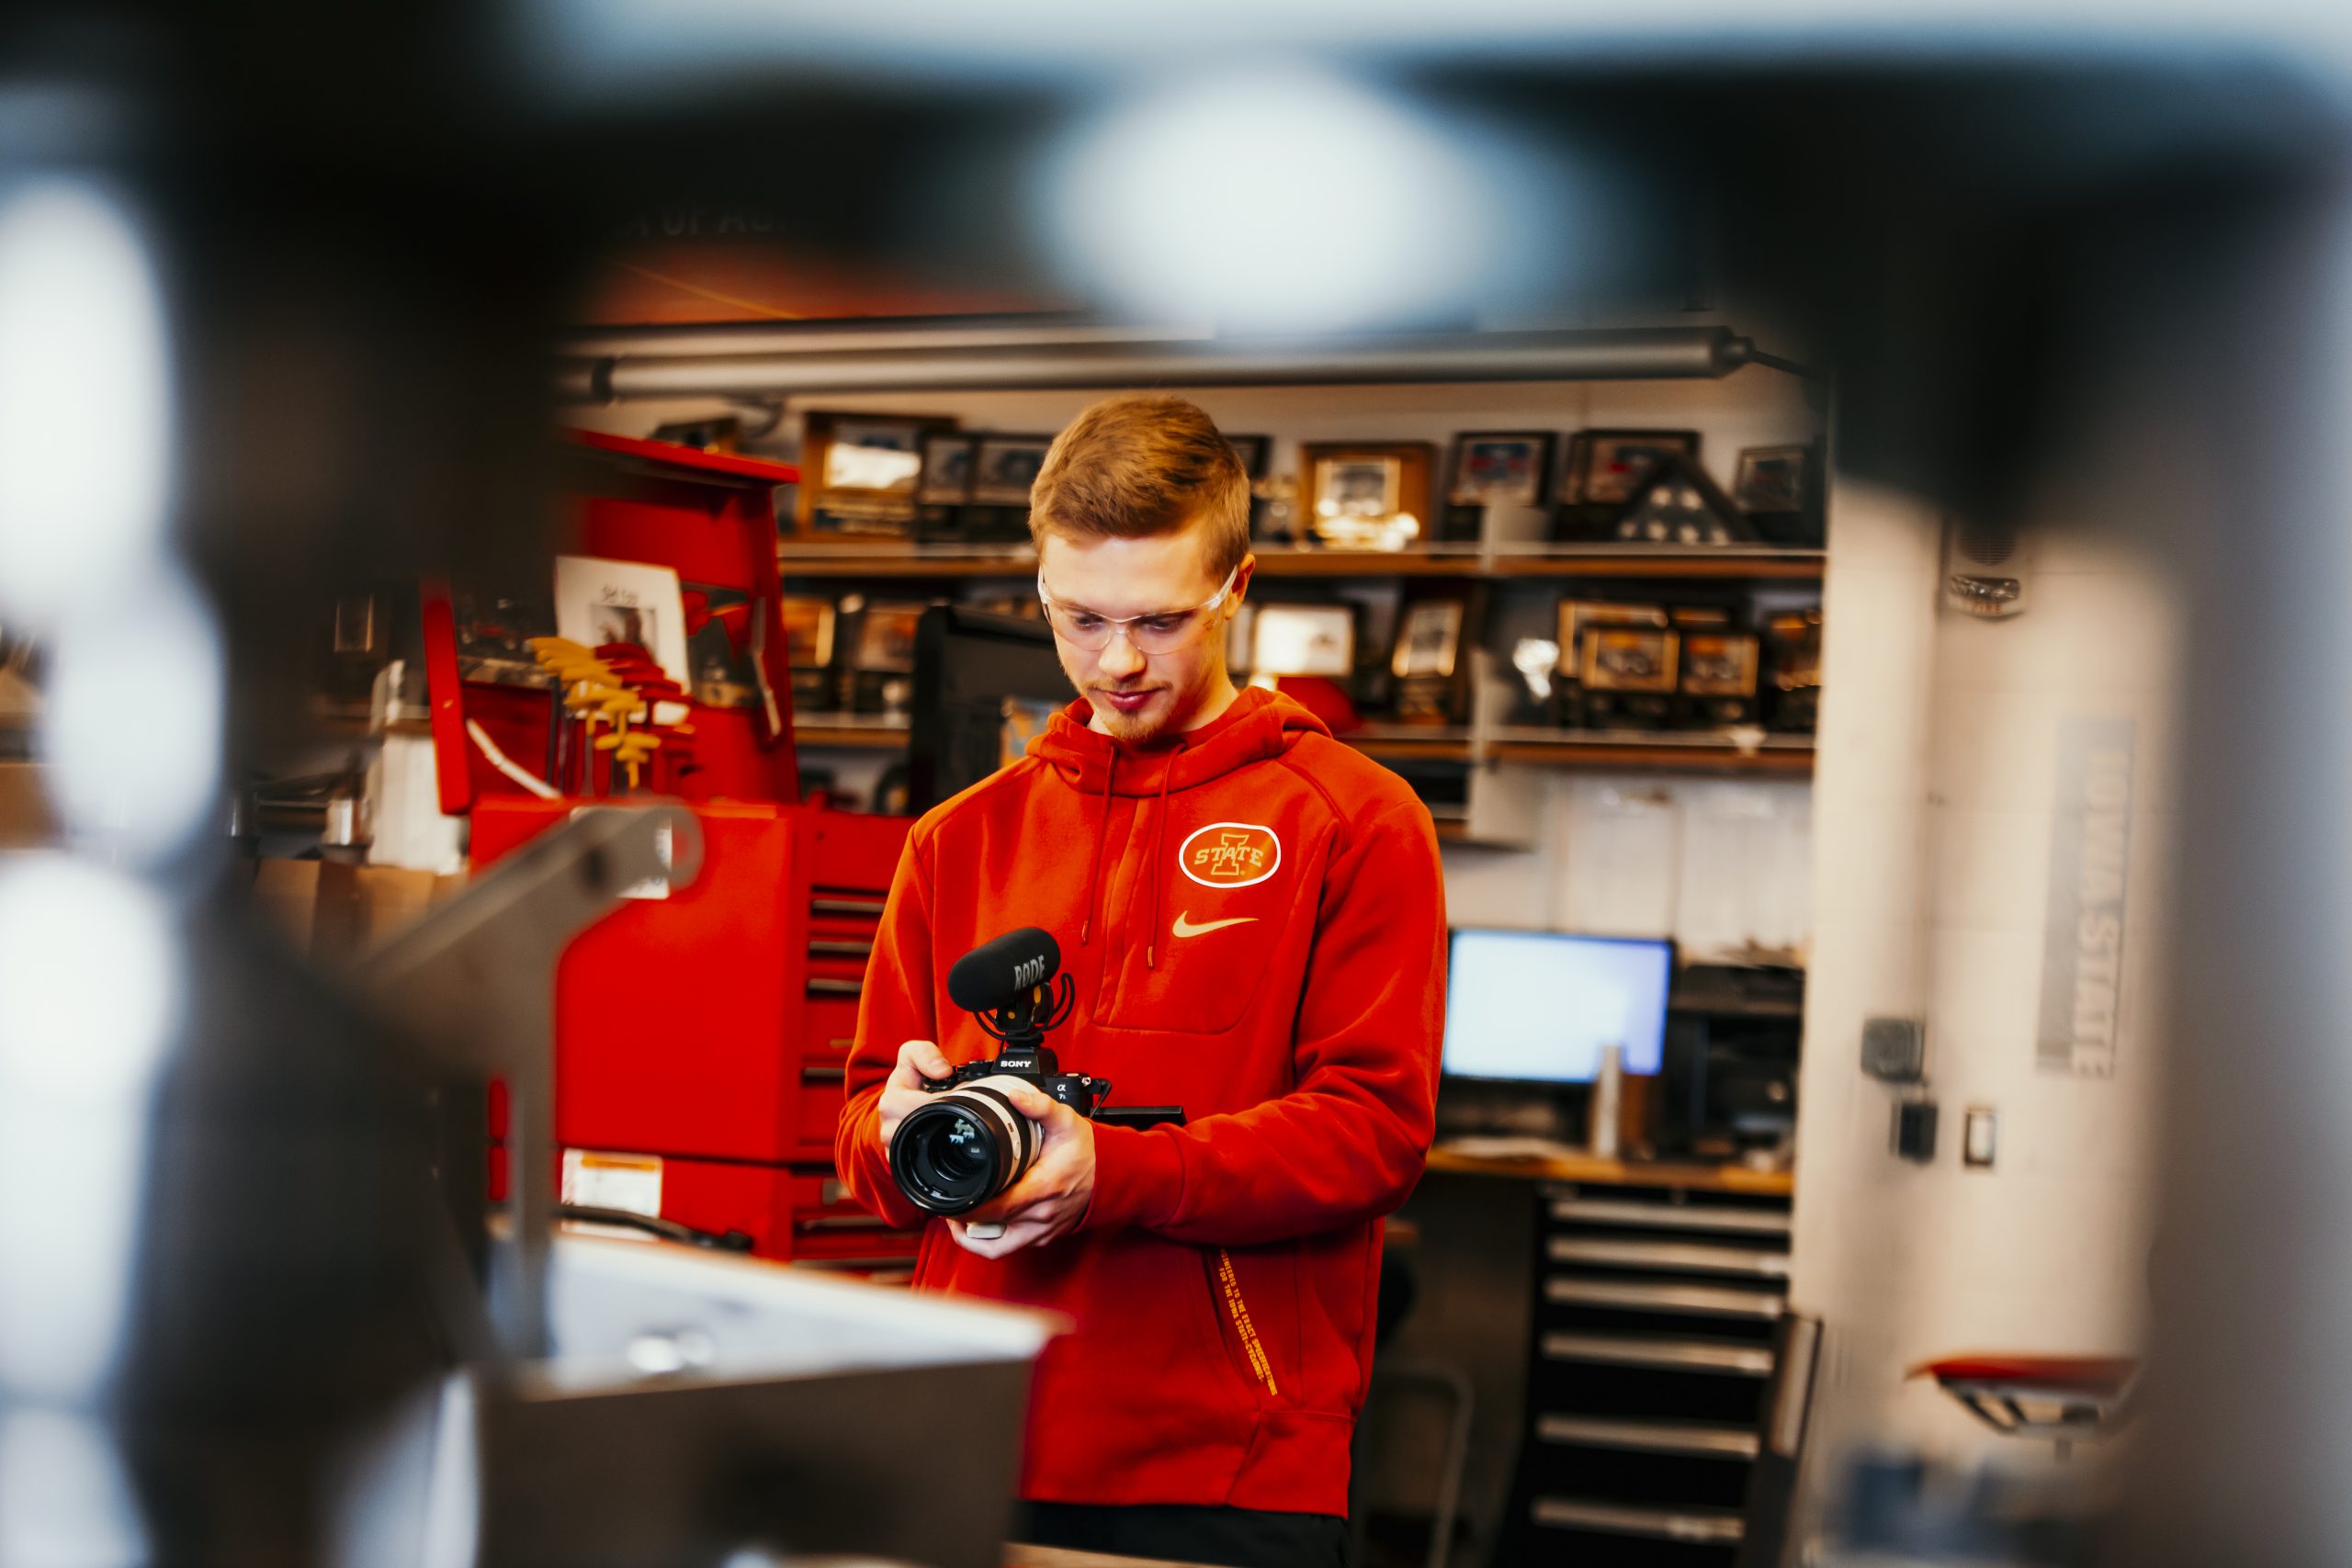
(1536, 1007)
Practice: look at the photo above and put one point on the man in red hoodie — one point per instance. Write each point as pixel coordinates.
(1254, 917)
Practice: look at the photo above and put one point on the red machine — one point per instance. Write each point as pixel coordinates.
(701, 1036)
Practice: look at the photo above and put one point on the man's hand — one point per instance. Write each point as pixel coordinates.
(1052, 1198)
(903, 1091)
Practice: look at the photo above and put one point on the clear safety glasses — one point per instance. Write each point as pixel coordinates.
(1164, 631)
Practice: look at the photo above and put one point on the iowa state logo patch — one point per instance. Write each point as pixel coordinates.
(1230, 854)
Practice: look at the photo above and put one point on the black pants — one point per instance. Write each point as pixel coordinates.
(1242, 1538)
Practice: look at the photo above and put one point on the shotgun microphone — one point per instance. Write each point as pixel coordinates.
(996, 973)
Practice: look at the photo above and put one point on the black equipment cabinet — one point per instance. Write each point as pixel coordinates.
(1652, 1371)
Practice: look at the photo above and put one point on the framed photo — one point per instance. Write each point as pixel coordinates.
(1719, 664)
(1605, 467)
(1501, 469)
(1303, 639)
(1004, 466)
(808, 630)
(1773, 480)
(1428, 639)
(859, 472)
(1367, 497)
(1579, 615)
(945, 477)
(599, 601)
(1630, 658)
(1253, 451)
(886, 638)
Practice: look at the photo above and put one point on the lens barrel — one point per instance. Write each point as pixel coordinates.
(960, 1148)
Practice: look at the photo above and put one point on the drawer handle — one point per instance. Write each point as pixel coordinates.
(823, 1075)
(843, 1223)
(826, 986)
(871, 908)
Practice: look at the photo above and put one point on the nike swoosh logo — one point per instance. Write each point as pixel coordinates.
(1184, 927)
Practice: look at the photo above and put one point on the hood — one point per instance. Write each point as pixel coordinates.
(1260, 724)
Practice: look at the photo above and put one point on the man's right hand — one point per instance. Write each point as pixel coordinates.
(903, 1091)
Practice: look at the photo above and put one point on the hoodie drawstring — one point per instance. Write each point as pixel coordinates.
(1102, 831)
(1159, 849)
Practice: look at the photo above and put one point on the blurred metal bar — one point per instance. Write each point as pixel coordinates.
(1659, 354)
(869, 336)
(474, 981)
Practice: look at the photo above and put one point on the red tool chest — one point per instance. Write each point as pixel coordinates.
(709, 1028)
(700, 1038)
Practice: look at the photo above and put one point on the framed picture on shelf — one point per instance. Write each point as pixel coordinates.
(1793, 658)
(1579, 617)
(1605, 466)
(1428, 639)
(1366, 497)
(1500, 467)
(1426, 659)
(943, 487)
(1004, 466)
(886, 638)
(1778, 489)
(1253, 451)
(808, 630)
(808, 622)
(860, 471)
(1718, 677)
(1771, 478)
(1629, 677)
(945, 476)
(1303, 639)
(883, 661)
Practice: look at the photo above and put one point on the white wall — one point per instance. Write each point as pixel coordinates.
(1937, 789)
(1721, 866)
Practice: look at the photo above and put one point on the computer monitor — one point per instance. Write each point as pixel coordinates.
(980, 678)
(1536, 1007)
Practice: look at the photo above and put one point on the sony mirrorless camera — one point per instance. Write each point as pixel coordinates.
(970, 1144)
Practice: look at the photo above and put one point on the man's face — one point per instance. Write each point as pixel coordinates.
(1136, 695)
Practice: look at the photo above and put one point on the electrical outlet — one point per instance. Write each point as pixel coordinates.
(1980, 1133)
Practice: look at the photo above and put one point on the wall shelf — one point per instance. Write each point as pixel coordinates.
(890, 558)
(847, 732)
(1662, 751)
(1778, 756)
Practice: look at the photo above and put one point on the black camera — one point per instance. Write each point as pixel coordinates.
(960, 1150)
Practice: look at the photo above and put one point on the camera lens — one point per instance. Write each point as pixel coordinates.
(961, 1149)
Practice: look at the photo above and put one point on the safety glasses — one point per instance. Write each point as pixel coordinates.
(1163, 631)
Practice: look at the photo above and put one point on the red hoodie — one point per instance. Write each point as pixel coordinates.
(1255, 920)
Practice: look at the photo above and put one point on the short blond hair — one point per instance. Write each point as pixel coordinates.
(1139, 466)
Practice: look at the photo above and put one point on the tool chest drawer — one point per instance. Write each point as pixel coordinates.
(1651, 1359)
